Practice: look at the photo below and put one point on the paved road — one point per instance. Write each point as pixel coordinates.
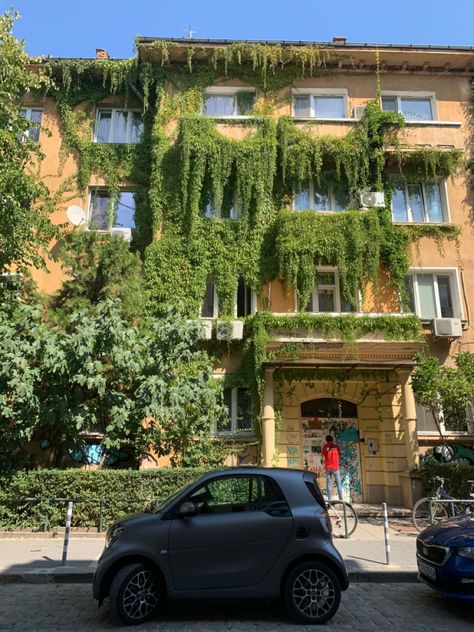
(364, 608)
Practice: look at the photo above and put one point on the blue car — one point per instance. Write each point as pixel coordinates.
(445, 557)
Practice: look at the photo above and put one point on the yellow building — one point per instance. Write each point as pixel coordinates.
(274, 189)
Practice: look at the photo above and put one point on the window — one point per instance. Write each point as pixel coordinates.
(209, 307)
(461, 423)
(245, 300)
(319, 106)
(326, 295)
(34, 117)
(122, 215)
(413, 108)
(118, 126)
(228, 102)
(320, 197)
(239, 408)
(226, 211)
(433, 295)
(232, 494)
(419, 203)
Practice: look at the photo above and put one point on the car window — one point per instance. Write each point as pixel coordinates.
(226, 495)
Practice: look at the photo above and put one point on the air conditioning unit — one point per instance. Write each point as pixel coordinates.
(372, 199)
(229, 330)
(125, 233)
(447, 327)
(358, 111)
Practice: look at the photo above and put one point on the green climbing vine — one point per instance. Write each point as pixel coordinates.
(220, 204)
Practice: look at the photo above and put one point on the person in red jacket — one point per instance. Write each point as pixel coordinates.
(331, 455)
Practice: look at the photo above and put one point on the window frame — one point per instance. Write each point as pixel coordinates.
(455, 288)
(311, 190)
(442, 425)
(215, 307)
(408, 94)
(234, 431)
(226, 91)
(321, 92)
(36, 126)
(92, 192)
(337, 293)
(443, 192)
(114, 110)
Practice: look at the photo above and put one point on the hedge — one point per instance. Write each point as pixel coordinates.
(122, 492)
(456, 475)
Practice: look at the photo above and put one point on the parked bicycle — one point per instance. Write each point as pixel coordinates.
(343, 518)
(428, 511)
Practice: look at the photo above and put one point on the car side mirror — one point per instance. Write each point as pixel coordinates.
(187, 509)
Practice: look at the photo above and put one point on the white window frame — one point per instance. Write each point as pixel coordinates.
(401, 94)
(443, 191)
(215, 311)
(226, 91)
(114, 111)
(27, 115)
(234, 431)
(320, 92)
(455, 287)
(312, 206)
(337, 293)
(92, 191)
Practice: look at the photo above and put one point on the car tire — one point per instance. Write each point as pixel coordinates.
(135, 593)
(312, 592)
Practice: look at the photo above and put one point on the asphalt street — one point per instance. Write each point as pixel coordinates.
(365, 607)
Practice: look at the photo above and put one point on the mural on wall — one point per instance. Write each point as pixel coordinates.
(447, 452)
(346, 435)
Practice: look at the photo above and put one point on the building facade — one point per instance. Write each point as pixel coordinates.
(310, 203)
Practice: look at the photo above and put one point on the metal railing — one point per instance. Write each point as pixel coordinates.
(102, 504)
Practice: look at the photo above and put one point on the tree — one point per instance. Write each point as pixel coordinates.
(25, 202)
(99, 267)
(447, 392)
(149, 387)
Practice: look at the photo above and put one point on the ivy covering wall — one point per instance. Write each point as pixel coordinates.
(188, 175)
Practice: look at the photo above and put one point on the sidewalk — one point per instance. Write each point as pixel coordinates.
(36, 558)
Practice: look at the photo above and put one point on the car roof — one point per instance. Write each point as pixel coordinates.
(275, 472)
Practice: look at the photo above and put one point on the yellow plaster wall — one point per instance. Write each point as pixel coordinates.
(379, 414)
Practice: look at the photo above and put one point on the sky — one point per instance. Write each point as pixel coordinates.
(75, 28)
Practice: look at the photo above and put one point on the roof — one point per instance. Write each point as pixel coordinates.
(336, 45)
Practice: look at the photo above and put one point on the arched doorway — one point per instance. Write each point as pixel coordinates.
(337, 417)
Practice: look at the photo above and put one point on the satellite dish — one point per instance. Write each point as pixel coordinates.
(76, 215)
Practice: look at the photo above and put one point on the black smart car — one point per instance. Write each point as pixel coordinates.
(240, 533)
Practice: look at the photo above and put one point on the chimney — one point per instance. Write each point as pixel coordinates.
(101, 53)
(339, 40)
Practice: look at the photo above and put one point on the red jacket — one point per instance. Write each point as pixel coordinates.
(331, 454)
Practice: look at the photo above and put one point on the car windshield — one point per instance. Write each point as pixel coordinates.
(162, 504)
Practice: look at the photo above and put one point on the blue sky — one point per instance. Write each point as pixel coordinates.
(74, 28)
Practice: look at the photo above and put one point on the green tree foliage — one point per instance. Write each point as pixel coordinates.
(25, 203)
(150, 388)
(445, 391)
(99, 267)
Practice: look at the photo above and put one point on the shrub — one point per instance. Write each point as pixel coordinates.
(456, 475)
(123, 492)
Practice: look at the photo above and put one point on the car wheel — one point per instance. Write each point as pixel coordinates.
(312, 592)
(135, 593)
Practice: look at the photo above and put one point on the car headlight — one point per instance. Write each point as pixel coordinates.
(466, 551)
(113, 534)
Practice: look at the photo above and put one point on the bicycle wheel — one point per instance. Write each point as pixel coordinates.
(335, 510)
(421, 513)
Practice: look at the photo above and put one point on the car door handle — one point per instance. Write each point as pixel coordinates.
(278, 509)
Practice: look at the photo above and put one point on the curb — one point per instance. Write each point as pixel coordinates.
(58, 576)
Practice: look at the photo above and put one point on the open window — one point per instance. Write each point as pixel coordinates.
(326, 296)
(433, 294)
(106, 212)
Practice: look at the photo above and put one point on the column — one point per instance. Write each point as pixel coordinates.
(268, 420)
(409, 419)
